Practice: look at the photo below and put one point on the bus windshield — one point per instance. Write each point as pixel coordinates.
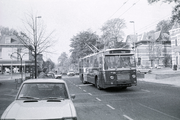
(117, 61)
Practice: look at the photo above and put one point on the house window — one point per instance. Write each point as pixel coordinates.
(0, 53)
(175, 42)
(139, 61)
(7, 40)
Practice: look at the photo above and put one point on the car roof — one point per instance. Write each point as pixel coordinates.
(44, 81)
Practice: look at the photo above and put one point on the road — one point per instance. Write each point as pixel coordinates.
(147, 101)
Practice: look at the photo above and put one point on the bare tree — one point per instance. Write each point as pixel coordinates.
(35, 37)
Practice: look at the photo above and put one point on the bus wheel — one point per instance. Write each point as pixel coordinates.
(97, 84)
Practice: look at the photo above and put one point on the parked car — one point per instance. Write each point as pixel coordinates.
(144, 70)
(42, 99)
(59, 76)
(51, 75)
(70, 73)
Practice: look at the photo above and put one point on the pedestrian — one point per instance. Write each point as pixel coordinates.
(43, 74)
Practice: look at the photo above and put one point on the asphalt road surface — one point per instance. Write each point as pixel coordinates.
(146, 101)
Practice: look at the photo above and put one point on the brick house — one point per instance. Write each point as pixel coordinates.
(153, 49)
(175, 44)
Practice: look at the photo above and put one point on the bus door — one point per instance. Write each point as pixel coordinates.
(90, 75)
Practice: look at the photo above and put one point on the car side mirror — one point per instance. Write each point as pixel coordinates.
(73, 96)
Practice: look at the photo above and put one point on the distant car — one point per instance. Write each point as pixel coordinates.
(144, 70)
(51, 75)
(70, 73)
(42, 99)
(59, 76)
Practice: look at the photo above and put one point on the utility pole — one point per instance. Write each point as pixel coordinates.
(35, 46)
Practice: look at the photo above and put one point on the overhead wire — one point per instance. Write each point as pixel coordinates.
(129, 8)
(119, 8)
(151, 24)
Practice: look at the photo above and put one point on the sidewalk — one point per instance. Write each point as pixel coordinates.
(9, 77)
(164, 76)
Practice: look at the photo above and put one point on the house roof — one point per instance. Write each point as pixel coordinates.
(157, 36)
(131, 38)
(12, 40)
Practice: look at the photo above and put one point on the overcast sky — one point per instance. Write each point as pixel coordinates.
(69, 17)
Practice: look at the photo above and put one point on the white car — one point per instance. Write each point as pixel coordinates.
(42, 99)
(144, 70)
(70, 73)
(59, 76)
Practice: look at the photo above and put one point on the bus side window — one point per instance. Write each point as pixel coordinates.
(100, 62)
(95, 62)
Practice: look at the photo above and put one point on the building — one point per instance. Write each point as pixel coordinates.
(175, 44)
(14, 57)
(153, 49)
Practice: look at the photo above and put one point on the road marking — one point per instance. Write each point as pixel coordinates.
(158, 111)
(84, 90)
(90, 94)
(145, 90)
(79, 87)
(98, 99)
(127, 117)
(85, 85)
(110, 106)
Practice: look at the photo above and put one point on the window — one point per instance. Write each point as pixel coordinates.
(43, 90)
(175, 42)
(95, 62)
(0, 53)
(7, 40)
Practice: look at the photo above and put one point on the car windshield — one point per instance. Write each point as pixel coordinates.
(43, 91)
(117, 61)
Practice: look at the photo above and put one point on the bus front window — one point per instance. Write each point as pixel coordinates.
(114, 62)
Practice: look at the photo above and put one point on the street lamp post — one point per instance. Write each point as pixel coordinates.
(134, 32)
(35, 47)
(134, 38)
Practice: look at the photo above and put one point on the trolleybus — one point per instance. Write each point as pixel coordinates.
(109, 68)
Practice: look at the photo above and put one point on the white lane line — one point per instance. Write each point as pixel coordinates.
(127, 117)
(90, 94)
(110, 106)
(79, 87)
(84, 90)
(98, 99)
(145, 90)
(159, 111)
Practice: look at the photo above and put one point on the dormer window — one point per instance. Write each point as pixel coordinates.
(8, 40)
(0, 53)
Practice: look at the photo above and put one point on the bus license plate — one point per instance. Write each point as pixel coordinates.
(123, 77)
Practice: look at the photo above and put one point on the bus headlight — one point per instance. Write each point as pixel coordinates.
(133, 76)
(112, 77)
